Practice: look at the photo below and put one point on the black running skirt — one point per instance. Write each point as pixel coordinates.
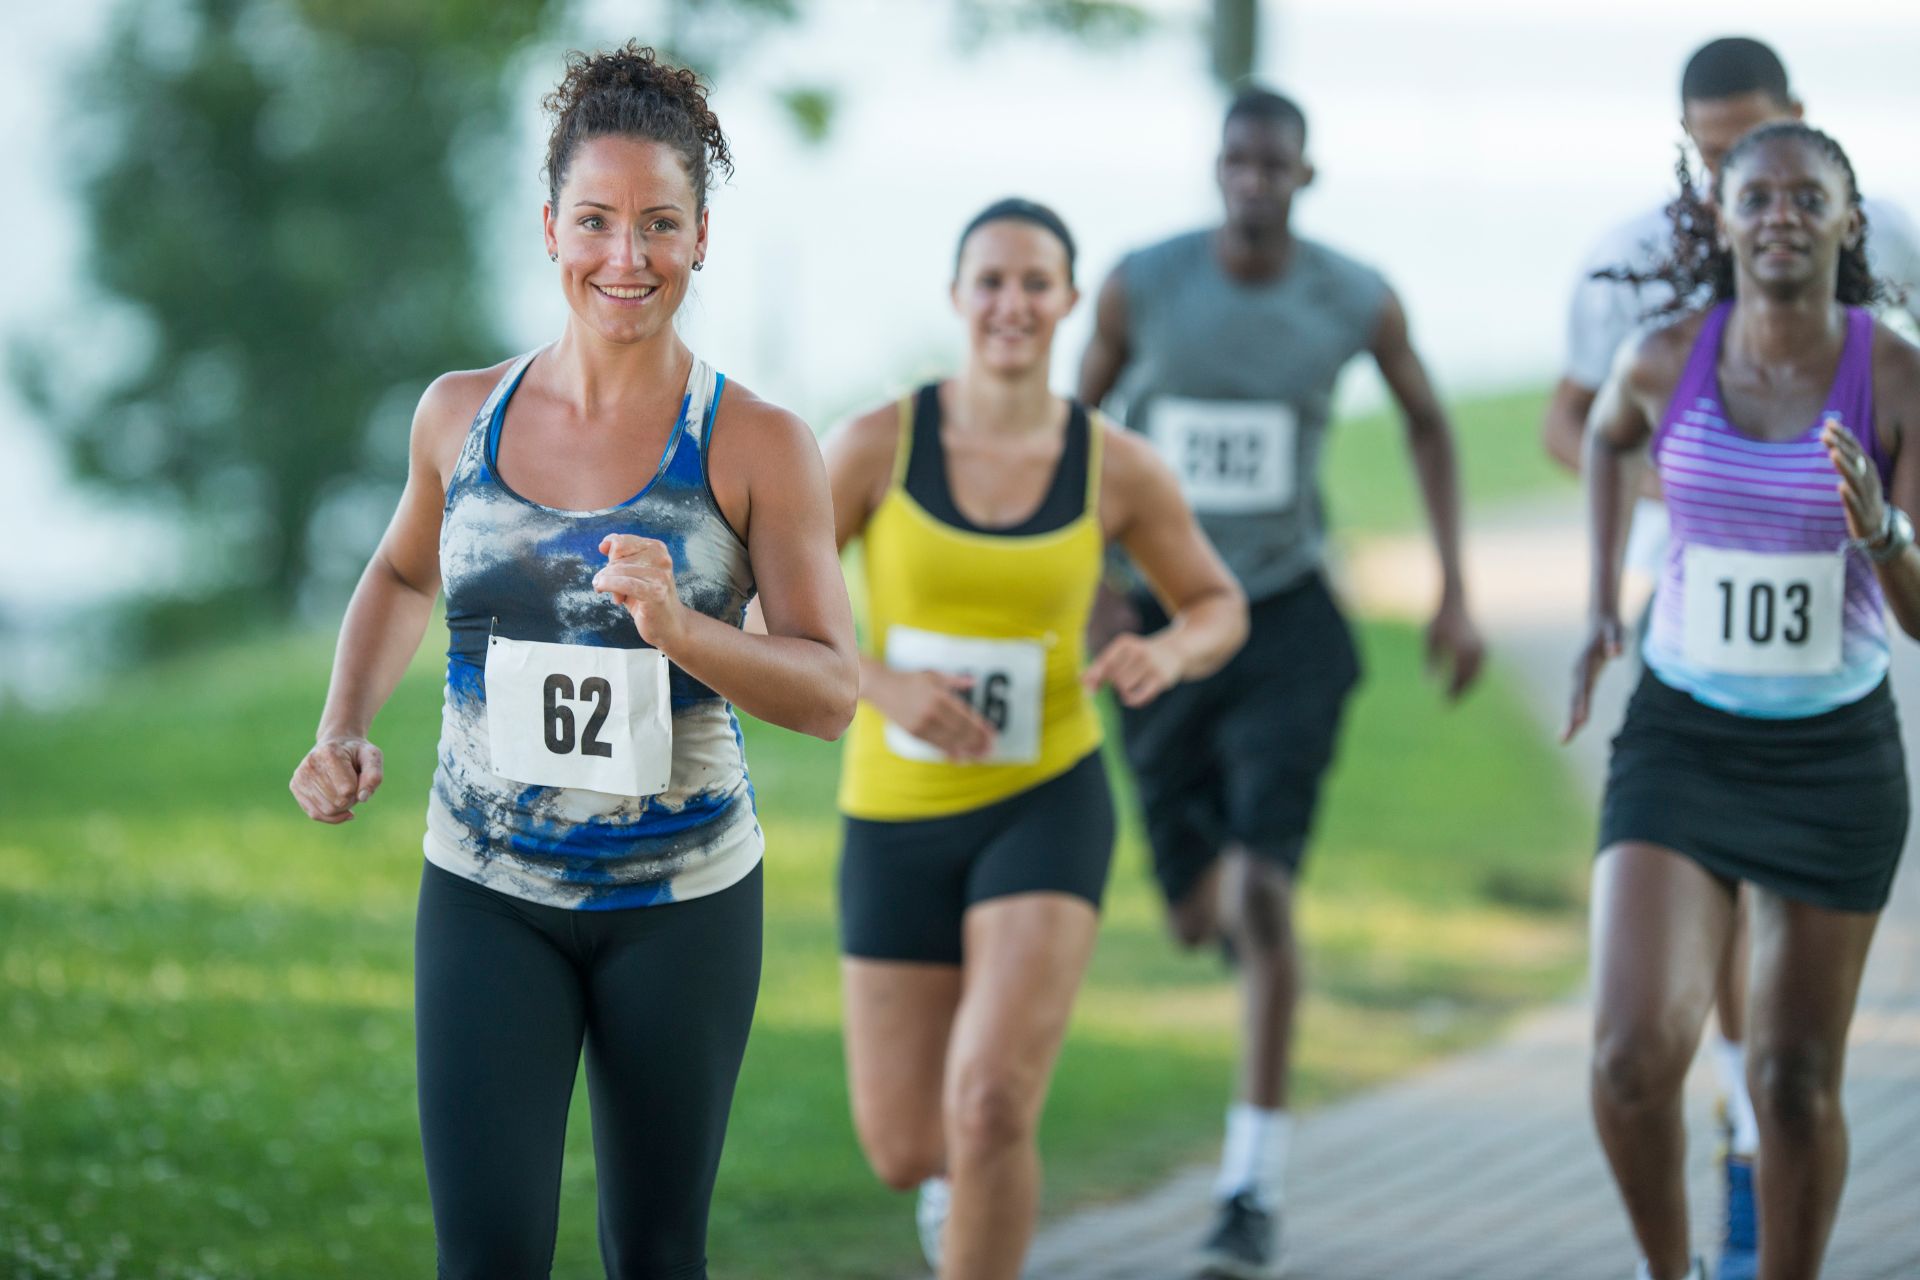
(1813, 809)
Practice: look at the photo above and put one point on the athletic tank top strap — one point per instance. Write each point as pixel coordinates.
(1852, 395)
(921, 469)
(1699, 381)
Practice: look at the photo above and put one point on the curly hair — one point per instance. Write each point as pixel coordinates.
(630, 92)
(1699, 270)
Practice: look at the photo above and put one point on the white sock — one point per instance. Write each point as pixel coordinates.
(1697, 1271)
(1254, 1157)
(1730, 1065)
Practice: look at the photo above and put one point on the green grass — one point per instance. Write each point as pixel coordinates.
(205, 1035)
(1369, 478)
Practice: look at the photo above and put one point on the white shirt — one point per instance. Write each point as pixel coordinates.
(1606, 313)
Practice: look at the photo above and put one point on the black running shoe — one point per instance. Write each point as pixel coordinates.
(1244, 1243)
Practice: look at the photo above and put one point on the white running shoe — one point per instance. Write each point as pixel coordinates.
(1698, 1271)
(930, 1215)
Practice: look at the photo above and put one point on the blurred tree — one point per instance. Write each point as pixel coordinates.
(1236, 40)
(272, 197)
(284, 250)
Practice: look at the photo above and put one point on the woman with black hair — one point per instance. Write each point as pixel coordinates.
(600, 511)
(978, 824)
(1761, 746)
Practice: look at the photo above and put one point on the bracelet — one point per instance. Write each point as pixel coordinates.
(1894, 537)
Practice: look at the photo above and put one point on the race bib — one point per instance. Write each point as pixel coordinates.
(1752, 613)
(1009, 678)
(574, 715)
(1232, 456)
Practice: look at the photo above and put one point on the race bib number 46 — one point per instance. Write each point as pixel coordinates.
(1751, 613)
(573, 715)
(1232, 456)
(1009, 677)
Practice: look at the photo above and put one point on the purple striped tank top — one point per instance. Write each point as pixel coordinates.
(1762, 610)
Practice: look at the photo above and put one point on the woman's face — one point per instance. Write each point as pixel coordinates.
(1785, 213)
(627, 229)
(1012, 288)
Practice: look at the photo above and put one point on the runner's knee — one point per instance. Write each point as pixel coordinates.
(1639, 1067)
(989, 1110)
(1795, 1087)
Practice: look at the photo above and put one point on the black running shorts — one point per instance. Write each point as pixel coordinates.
(904, 886)
(1237, 758)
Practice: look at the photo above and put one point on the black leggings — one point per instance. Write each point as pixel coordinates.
(505, 992)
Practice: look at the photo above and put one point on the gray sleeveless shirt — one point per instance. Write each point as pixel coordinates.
(1234, 384)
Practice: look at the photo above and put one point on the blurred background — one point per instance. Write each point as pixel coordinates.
(242, 235)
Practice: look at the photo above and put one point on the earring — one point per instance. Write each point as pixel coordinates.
(699, 263)
(553, 257)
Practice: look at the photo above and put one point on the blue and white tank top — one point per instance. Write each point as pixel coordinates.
(524, 571)
(1763, 609)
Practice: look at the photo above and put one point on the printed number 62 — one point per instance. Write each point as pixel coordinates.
(559, 718)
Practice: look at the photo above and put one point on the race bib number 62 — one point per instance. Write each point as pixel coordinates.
(574, 715)
(1754, 613)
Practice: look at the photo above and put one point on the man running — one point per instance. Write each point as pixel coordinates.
(1225, 344)
(1730, 87)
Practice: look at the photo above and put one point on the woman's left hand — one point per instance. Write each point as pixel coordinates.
(639, 576)
(1860, 489)
(1140, 668)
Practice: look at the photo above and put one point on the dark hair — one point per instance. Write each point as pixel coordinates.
(630, 92)
(1698, 269)
(1255, 103)
(1016, 209)
(1731, 66)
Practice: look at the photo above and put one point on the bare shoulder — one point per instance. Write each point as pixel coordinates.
(1652, 361)
(1133, 476)
(746, 423)
(447, 409)
(1896, 361)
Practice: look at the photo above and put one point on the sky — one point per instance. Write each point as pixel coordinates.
(1471, 151)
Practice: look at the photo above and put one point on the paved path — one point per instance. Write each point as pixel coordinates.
(1485, 1167)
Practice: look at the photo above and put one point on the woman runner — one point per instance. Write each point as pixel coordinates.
(978, 823)
(1761, 745)
(600, 511)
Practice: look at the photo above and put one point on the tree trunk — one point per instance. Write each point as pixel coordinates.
(1236, 40)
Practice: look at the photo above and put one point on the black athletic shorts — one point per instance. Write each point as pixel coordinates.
(904, 886)
(1813, 809)
(1237, 758)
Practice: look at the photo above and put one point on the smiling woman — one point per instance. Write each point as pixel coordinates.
(600, 511)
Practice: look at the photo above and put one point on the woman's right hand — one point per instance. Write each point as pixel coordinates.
(1606, 640)
(930, 706)
(335, 776)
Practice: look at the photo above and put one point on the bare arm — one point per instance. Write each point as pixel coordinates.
(1141, 509)
(1620, 426)
(1107, 354)
(389, 610)
(1896, 396)
(802, 673)
(1451, 636)
(1564, 429)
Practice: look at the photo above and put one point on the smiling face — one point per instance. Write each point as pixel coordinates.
(1013, 288)
(1786, 212)
(628, 228)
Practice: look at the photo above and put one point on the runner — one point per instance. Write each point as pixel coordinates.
(1225, 345)
(1761, 746)
(600, 511)
(978, 824)
(1730, 86)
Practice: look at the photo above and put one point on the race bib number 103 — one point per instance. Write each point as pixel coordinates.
(574, 715)
(1754, 613)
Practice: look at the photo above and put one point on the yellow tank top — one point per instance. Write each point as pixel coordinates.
(1008, 608)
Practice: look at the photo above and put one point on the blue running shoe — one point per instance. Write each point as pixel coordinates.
(1740, 1248)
